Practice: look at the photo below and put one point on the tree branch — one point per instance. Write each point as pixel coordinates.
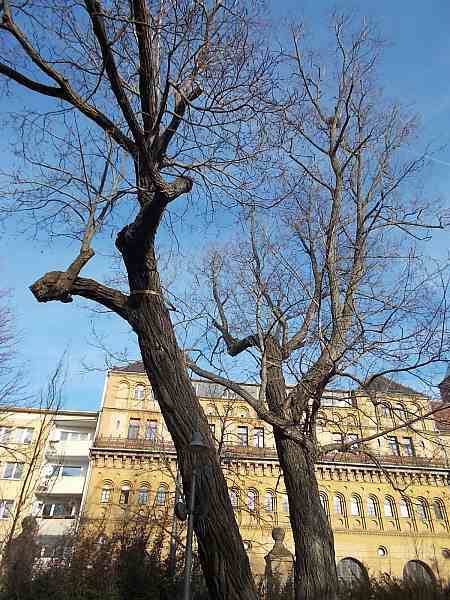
(94, 8)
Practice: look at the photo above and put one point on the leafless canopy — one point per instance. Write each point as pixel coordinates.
(332, 284)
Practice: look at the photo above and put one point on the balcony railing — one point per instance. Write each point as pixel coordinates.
(133, 444)
(232, 451)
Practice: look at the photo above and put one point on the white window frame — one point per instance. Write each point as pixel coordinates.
(18, 466)
(23, 435)
(139, 392)
(106, 495)
(6, 508)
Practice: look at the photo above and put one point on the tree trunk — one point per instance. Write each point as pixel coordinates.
(315, 576)
(315, 567)
(224, 560)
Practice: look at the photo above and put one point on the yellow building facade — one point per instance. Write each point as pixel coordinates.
(388, 501)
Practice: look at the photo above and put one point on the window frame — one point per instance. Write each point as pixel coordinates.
(355, 503)
(17, 466)
(143, 492)
(161, 496)
(6, 508)
(258, 436)
(134, 427)
(136, 395)
(372, 507)
(106, 494)
(392, 442)
(64, 467)
(242, 434)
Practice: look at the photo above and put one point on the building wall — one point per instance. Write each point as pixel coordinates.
(128, 457)
(31, 438)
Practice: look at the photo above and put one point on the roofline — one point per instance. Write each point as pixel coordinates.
(359, 391)
(46, 411)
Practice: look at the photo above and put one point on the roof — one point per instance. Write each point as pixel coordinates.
(136, 366)
(388, 386)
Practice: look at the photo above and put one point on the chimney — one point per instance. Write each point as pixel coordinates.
(444, 387)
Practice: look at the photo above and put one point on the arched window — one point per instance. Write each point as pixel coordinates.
(233, 498)
(351, 572)
(106, 493)
(139, 392)
(143, 495)
(285, 503)
(372, 507)
(422, 509)
(270, 502)
(355, 506)
(252, 498)
(404, 508)
(125, 494)
(419, 573)
(338, 505)
(161, 495)
(388, 507)
(324, 501)
(438, 509)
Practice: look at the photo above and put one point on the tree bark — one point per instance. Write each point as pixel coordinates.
(315, 567)
(315, 574)
(224, 561)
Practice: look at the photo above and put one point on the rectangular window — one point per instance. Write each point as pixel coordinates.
(133, 429)
(242, 434)
(23, 435)
(393, 445)
(58, 510)
(105, 495)
(212, 429)
(143, 496)
(13, 470)
(6, 507)
(408, 447)
(71, 471)
(258, 437)
(124, 496)
(74, 435)
(150, 430)
(161, 496)
(5, 433)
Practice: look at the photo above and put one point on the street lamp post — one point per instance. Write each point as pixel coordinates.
(197, 446)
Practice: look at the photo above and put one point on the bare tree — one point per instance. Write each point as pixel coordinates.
(157, 96)
(329, 286)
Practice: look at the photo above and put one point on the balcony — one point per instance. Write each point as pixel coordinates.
(233, 452)
(384, 459)
(133, 444)
(68, 448)
(56, 526)
(61, 486)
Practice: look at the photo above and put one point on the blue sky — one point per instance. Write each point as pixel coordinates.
(416, 68)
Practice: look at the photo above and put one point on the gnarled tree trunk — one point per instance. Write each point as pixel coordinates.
(222, 554)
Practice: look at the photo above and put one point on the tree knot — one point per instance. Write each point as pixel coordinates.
(54, 285)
